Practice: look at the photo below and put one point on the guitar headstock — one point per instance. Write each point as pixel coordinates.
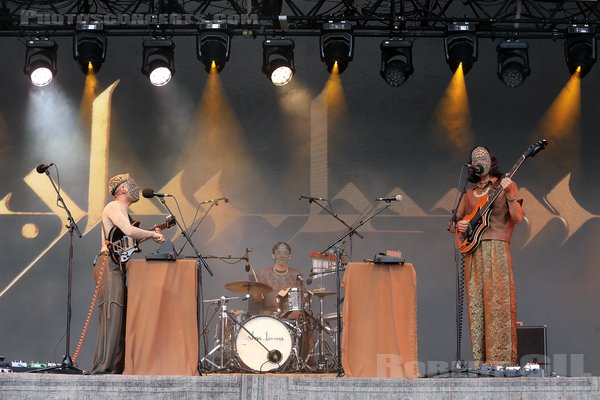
(536, 148)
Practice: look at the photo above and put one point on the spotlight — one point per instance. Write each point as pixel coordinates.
(460, 45)
(213, 45)
(40, 61)
(337, 45)
(278, 60)
(396, 61)
(513, 62)
(89, 46)
(158, 61)
(580, 49)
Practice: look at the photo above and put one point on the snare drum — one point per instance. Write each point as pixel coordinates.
(294, 303)
(264, 343)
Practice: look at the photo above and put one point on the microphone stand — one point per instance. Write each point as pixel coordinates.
(67, 365)
(201, 262)
(338, 256)
(334, 215)
(458, 366)
(212, 204)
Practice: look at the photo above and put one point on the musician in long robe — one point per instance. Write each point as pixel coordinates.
(109, 356)
(489, 280)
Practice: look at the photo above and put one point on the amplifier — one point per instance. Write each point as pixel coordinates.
(532, 346)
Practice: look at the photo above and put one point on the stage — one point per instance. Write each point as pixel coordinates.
(298, 386)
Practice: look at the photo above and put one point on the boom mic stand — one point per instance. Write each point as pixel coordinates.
(338, 253)
(66, 365)
(334, 215)
(201, 262)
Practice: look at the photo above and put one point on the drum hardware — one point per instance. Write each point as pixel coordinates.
(320, 344)
(224, 357)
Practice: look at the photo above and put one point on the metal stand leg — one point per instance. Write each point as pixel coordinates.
(221, 356)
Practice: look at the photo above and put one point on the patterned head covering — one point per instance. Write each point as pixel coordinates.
(480, 156)
(117, 181)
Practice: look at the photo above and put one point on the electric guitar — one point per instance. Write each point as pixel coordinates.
(121, 246)
(479, 218)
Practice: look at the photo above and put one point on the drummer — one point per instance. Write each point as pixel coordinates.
(280, 277)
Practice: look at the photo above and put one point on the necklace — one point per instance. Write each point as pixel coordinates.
(483, 192)
(279, 273)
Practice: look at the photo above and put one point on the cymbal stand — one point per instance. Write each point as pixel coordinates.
(321, 357)
(220, 343)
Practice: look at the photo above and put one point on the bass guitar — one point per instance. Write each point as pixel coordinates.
(479, 218)
(121, 246)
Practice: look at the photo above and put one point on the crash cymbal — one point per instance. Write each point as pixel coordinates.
(248, 287)
(322, 292)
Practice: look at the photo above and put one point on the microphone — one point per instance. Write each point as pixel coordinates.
(477, 169)
(299, 278)
(398, 197)
(310, 198)
(43, 167)
(309, 279)
(216, 201)
(247, 258)
(149, 193)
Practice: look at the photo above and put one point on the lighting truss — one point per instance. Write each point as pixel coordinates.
(407, 18)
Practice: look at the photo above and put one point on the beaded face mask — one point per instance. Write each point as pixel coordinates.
(480, 156)
(282, 254)
(133, 189)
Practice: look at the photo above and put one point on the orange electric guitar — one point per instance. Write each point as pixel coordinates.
(479, 218)
(121, 247)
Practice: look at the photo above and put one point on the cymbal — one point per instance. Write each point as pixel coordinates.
(248, 287)
(322, 292)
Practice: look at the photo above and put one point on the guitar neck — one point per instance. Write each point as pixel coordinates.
(494, 195)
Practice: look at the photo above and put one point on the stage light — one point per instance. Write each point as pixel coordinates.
(278, 60)
(89, 46)
(513, 62)
(213, 45)
(580, 49)
(396, 61)
(337, 45)
(158, 60)
(40, 61)
(460, 46)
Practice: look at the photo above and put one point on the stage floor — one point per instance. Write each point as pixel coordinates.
(301, 387)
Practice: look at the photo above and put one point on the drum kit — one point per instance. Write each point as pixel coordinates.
(289, 339)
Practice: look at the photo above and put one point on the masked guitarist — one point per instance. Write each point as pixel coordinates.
(109, 357)
(489, 278)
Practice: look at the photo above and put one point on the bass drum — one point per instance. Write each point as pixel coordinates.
(264, 343)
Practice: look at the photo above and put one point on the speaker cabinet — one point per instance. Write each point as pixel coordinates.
(531, 345)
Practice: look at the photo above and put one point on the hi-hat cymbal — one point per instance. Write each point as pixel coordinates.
(248, 287)
(322, 292)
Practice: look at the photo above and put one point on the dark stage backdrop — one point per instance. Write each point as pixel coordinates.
(262, 147)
